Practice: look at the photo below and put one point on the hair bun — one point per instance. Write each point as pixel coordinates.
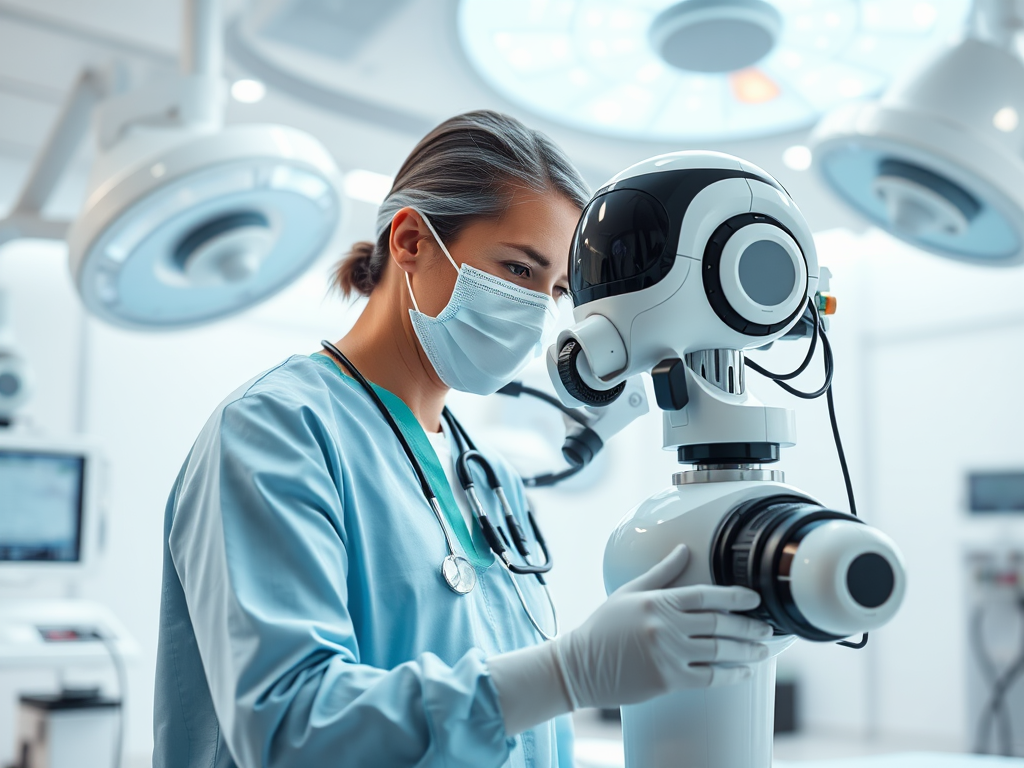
(353, 274)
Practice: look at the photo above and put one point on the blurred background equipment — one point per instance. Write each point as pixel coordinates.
(995, 593)
(14, 374)
(51, 533)
(74, 729)
(937, 160)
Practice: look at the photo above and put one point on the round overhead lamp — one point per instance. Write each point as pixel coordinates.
(937, 161)
(186, 221)
(693, 70)
(204, 228)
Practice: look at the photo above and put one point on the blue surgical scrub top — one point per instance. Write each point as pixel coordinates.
(303, 619)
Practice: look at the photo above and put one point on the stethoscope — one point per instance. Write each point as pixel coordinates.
(456, 571)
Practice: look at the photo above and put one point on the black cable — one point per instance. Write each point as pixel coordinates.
(551, 478)
(826, 389)
(462, 438)
(516, 388)
(538, 481)
(807, 358)
(827, 358)
(841, 452)
(546, 480)
(1003, 687)
(122, 688)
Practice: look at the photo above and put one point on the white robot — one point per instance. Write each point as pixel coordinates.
(678, 265)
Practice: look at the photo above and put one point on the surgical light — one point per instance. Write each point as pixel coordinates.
(219, 222)
(184, 221)
(937, 160)
(696, 69)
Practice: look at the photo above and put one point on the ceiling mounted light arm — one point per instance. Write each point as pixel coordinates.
(193, 98)
(26, 220)
(997, 22)
(186, 221)
(202, 49)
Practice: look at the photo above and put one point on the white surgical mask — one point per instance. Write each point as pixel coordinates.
(489, 330)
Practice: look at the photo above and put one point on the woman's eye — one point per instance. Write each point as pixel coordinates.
(519, 270)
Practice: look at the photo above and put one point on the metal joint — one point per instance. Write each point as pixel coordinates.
(734, 475)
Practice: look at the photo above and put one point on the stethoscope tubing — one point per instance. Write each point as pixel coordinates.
(428, 492)
(495, 535)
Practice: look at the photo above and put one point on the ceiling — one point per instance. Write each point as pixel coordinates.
(412, 67)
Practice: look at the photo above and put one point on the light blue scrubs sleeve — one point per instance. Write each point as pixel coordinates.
(258, 541)
(565, 741)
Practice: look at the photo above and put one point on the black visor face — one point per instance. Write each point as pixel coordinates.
(621, 245)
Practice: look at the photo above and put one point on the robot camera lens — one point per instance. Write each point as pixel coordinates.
(870, 580)
(767, 273)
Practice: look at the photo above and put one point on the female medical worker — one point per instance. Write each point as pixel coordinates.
(304, 622)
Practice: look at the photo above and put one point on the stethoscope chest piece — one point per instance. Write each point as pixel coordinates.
(458, 573)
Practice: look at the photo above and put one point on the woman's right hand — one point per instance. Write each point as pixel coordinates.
(649, 639)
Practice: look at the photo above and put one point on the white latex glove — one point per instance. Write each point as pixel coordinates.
(648, 638)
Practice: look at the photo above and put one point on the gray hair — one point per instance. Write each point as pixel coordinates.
(465, 169)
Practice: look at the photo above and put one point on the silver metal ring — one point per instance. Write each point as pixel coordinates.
(698, 476)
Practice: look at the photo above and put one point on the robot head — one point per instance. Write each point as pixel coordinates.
(679, 253)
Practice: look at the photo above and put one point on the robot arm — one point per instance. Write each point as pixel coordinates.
(587, 429)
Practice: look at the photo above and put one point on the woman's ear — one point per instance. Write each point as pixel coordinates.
(408, 233)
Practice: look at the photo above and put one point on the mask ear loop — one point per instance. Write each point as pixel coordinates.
(438, 239)
(412, 295)
(408, 281)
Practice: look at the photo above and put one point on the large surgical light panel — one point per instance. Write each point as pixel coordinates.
(697, 69)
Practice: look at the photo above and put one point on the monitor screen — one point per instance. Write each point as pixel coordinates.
(996, 492)
(41, 497)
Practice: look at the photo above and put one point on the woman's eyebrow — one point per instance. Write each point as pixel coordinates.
(540, 259)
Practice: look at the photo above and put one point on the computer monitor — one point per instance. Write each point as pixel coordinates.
(48, 506)
(999, 492)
